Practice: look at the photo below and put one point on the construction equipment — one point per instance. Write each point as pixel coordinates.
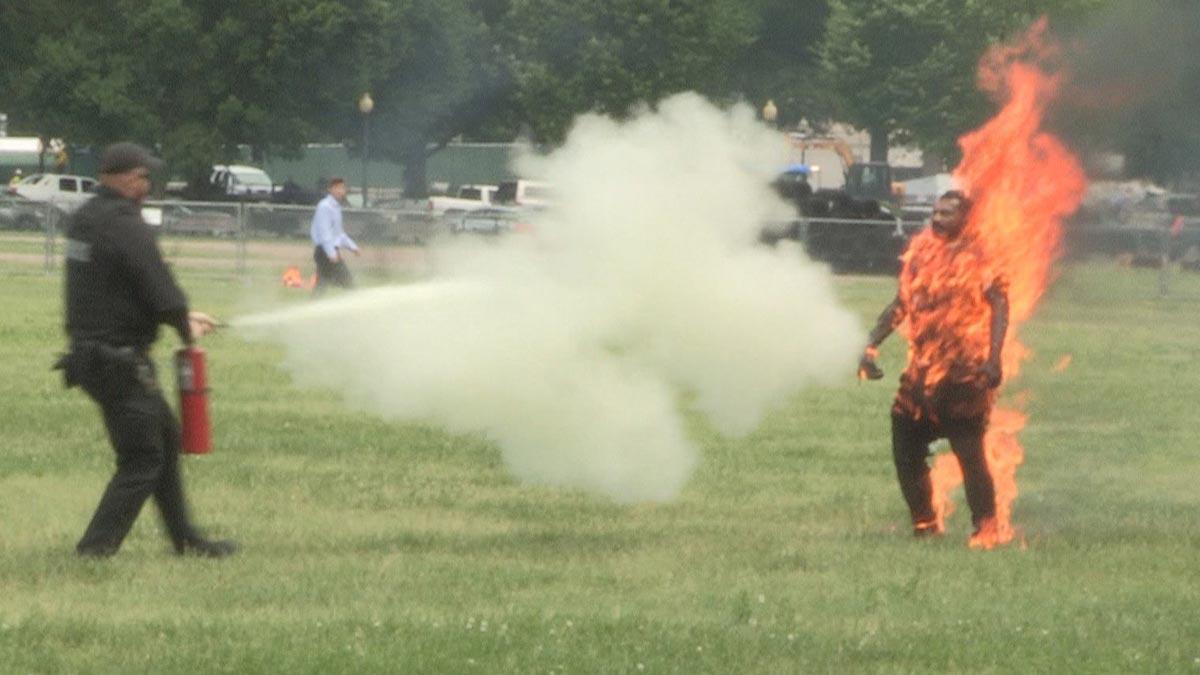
(852, 227)
(862, 180)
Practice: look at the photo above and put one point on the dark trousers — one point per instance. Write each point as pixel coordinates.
(329, 272)
(146, 437)
(910, 450)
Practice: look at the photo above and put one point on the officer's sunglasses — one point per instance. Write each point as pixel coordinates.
(144, 175)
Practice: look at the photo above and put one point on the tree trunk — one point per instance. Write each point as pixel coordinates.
(416, 182)
(879, 144)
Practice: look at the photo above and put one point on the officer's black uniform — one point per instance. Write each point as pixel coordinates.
(118, 290)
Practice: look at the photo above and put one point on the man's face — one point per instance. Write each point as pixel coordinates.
(133, 184)
(948, 217)
(338, 190)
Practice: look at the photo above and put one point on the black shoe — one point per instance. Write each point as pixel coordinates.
(207, 548)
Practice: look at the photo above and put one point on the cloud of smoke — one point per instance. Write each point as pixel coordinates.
(570, 346)
(1134, 84)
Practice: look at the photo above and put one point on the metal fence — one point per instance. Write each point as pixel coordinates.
(238, 238)
(33, 224)
(874, 246)
(231, 235)
(847, 245)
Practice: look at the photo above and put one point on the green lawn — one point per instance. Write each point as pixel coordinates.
(379, 547)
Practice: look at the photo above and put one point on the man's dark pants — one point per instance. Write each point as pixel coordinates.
(330, 272)
(146, 437)
(944, 418)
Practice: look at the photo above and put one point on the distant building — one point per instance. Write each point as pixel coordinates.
(18, 153)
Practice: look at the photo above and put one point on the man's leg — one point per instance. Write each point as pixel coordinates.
(168, 494)
(966, 439)
(324, 271)
(133, 428)
(341, 275)
(910, 449)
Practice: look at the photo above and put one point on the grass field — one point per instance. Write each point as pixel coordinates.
(380, 547)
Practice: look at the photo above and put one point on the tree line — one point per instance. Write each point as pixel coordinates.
(198, 78)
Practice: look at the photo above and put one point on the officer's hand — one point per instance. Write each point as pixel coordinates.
(868, 369)
(992, 374)
(335, 258)
(201, 324)
(357, 252)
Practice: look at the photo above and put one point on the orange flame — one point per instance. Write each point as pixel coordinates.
(293, 279)
(1063, 363)
(1023, 182)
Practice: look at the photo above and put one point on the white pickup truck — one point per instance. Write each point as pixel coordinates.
(67, 193)
(468, 198)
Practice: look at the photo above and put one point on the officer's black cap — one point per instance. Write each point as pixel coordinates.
(123, 157)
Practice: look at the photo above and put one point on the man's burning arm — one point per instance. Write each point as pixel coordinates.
(891, 317)
(997, 297)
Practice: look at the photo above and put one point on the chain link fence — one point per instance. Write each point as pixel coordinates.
(248, 239)
(848, 245)
(261, 239)
(874, 246)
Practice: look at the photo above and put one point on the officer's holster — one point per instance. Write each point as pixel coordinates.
(104, 371)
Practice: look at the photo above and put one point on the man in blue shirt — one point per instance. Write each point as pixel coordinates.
(330, 240)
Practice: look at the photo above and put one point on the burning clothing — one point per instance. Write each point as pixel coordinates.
(953, 308)
(910, 452)
(946, 295)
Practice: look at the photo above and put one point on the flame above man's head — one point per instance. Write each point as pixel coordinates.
(1023, 182)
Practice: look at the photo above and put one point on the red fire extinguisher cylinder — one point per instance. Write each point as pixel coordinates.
(193, 400)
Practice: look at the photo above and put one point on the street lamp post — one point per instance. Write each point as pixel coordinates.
(365, 105)
(770, 113)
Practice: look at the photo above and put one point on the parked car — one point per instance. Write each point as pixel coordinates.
(67, 193)
(19, 213)
(241, 183)
(291, 192)
(180, 219)
(486, 221)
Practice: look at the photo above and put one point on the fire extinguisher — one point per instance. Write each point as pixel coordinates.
(193, 400)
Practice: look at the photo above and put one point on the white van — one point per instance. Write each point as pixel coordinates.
(241, 182)
(65, 192)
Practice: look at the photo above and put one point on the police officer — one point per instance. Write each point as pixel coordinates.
(118, 291)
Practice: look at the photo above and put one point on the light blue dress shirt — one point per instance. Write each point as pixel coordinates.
(327, 229)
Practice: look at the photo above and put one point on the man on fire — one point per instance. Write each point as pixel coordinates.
(953, 308)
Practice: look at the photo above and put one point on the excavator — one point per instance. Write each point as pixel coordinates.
(863, 180)
(853, 228)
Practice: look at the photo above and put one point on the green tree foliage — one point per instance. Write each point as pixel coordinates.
(197, 78)
(436, 73)
(905, 70)
(607, 56)
(782, 64)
